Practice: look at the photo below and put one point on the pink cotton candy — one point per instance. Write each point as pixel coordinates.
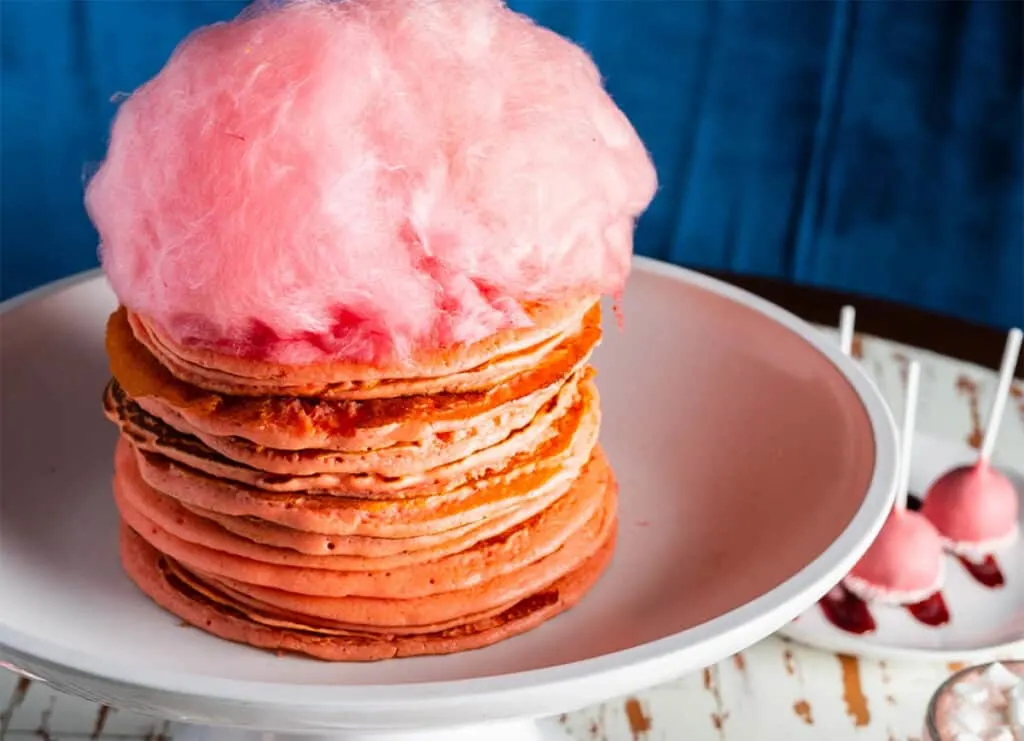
(366, 179)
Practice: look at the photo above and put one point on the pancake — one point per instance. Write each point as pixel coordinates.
(524, 431)
(492, 494)
(357, 513)
(266, 533)
(158, 577)
(425, 435)
(453, 370)
(274, 544)
(384, 612)
(548, 436)
(405, 460)
(503, 554)
(267, 615)
(295, 423)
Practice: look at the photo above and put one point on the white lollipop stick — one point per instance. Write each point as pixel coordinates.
(995, 415)
(847, 318)
(907, 434)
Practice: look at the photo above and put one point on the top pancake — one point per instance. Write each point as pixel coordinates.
(301, 423)
(452, 370)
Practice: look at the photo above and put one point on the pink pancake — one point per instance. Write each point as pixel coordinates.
(525, 428)
(904, 565)
(397, 461)
(428, 437)
(376, 518)
(291, 423)
(262, 613)
(150, 435)
(280, 536)
(480, 365)
(475, 515)
(503, 554)
(383, 612)
(336, 515)
(157, 578)
(268, 543)
(974, 508)
(480, 369)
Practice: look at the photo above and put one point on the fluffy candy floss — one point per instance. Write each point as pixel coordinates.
(904, 564)
(359, 180)
(975, 508)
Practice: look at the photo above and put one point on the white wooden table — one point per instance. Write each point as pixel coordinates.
(773, 690)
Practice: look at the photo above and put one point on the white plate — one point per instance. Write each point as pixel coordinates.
(713, 400)
(985, 624)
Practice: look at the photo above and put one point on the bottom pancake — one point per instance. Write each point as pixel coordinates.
(158, 577)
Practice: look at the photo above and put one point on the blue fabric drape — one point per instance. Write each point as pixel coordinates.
(868, 146)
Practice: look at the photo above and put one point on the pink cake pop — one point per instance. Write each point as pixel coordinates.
(905, 564)
(975, 507)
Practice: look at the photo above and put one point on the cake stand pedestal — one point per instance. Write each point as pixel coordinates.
(501, 731)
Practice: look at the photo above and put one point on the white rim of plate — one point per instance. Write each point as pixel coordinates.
(651, 662)
(870, 650)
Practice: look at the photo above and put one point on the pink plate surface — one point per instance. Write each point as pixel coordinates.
(756, 463)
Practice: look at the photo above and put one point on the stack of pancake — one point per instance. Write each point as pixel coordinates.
(364, 512)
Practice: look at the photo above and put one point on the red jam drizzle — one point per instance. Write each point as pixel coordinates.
(847, 611)
(850, 613)
(932, 611)
(986, 573)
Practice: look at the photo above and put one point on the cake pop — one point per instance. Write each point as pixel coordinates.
(904, 565)
(975, 507)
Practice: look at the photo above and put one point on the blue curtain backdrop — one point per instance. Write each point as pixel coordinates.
(868, 146)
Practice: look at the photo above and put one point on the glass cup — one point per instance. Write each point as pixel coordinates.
(934, 723)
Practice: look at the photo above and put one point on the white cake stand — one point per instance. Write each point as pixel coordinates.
(756, 464)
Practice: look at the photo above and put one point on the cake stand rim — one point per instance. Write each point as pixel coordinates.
(548, 689)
